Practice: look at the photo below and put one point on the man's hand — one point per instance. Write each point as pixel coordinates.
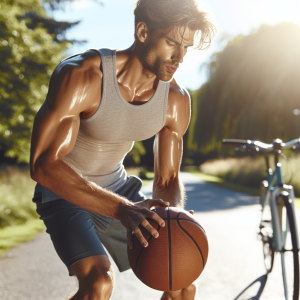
(134, 214)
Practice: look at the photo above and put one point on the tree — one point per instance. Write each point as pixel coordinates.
(31, 45)
(252, 89)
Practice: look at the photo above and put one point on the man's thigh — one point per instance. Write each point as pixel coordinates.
(72, 230)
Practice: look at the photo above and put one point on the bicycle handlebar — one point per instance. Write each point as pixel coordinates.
(291, 144)
(258, 146)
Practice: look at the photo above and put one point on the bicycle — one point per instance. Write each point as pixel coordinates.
(278, 228)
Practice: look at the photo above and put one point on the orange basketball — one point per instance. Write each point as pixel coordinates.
(176, 258)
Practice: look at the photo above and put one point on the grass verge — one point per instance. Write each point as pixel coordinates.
(12, 236)
(18, 219)
(217, 181)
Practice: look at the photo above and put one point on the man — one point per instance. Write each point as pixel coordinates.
(98, 103)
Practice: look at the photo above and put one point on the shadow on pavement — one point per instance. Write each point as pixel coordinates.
(254, 290)
(204, 197)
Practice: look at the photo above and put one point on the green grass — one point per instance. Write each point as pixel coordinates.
(18, 219)
(12, 236)
(16, 191)
(220, 182)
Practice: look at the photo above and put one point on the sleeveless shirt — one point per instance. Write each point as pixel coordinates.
(108, 135)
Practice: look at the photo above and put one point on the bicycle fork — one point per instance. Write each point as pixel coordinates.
(281, 196)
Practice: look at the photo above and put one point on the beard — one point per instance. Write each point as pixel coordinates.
(154, 64)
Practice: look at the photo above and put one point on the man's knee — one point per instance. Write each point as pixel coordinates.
(99, 283)
(189, 292)
(95, 276)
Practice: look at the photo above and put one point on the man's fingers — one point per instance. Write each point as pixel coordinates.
(148, 227)
(156, 218)
(129, 239)
(140, 237)
(158, 203)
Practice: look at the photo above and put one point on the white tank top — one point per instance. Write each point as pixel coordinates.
(108, 135)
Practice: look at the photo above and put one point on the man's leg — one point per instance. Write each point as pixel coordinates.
(95, 277)
(188, 293)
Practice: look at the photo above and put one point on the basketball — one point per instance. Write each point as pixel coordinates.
(177, 257)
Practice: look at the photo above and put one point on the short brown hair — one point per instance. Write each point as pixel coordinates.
(167, 14)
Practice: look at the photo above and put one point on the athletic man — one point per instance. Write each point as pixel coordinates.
(99, 102)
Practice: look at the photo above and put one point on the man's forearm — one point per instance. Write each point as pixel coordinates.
(66, 183)
(171, 191)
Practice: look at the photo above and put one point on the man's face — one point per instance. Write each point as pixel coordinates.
(164, 51)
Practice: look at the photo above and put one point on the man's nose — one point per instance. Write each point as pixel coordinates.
(179, 54)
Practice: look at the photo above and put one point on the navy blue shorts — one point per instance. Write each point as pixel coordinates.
(78, 233)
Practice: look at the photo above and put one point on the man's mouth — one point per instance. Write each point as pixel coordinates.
(171, 69)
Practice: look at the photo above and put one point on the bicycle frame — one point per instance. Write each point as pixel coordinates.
(276, 185)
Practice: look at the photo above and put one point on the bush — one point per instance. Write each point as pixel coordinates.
(16, 191)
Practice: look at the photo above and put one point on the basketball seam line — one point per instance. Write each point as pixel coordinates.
(170, 257)
(137, 260)
(191, 239)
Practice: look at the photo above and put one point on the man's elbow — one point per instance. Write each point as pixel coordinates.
(35, 172)
(38, 169)
(166, 179)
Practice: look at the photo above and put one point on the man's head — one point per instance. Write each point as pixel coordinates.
(166, 28)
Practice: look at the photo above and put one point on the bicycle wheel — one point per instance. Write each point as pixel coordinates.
(289, 251)
(266, 231)
(268, 252)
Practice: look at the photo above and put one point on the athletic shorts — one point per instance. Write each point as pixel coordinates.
(78, 233)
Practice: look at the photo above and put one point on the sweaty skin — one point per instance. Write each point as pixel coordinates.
(75, 92)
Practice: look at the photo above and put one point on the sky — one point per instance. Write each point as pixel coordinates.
(112, 26)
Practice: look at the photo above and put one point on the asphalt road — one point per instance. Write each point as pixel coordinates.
(33, 271)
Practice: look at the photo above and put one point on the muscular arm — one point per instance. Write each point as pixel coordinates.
(168, 149)
(72, 90)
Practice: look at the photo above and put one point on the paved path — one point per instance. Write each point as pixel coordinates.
(32, 271)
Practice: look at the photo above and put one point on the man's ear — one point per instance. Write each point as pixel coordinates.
(142, 31)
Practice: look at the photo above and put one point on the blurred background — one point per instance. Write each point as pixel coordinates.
(245, 86)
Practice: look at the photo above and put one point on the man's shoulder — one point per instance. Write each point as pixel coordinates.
(79, 66)
(78, 77)
(179, 108)
(178, 94)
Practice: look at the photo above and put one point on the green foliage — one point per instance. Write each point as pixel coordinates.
(60, 4)
(16, 192)
(252, 89)
(28, 57)
(136, 152)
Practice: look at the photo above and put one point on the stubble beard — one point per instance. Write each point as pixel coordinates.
(155, 65)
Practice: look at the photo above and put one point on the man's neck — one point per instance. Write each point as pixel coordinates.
(134, 80)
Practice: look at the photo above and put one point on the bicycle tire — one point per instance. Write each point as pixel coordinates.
(289, 252)
(266, 233)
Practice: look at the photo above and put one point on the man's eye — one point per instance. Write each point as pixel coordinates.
(171, 44)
